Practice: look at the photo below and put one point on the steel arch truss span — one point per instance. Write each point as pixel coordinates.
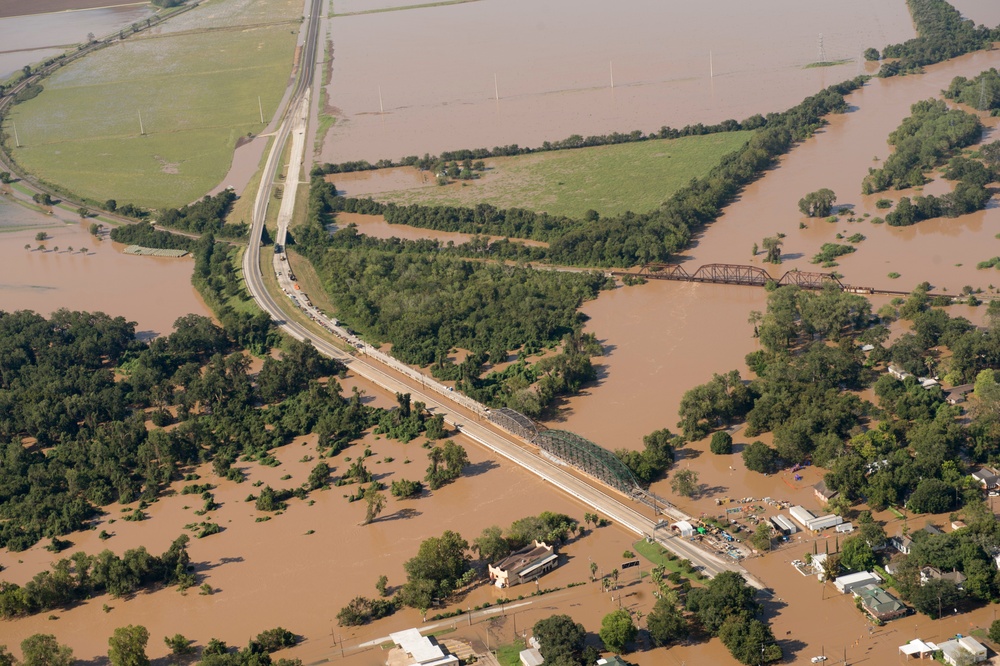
(808, 280)
(588, 457)
(732, 274)
(515, 422)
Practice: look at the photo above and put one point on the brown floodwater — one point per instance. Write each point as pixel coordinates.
(25, 40)
(553, 64)
(151, 291)
(942, 251)
(982, 12)
(274, 573)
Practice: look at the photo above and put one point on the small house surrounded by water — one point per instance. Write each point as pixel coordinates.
(824, 494)
(526, 564)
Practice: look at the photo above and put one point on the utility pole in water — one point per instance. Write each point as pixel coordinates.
(496, 87)
(612, 66)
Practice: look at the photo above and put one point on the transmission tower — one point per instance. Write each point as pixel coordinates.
(982, 95)
(822, 50)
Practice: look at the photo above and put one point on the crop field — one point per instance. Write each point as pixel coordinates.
(196, 90)
(609, 179)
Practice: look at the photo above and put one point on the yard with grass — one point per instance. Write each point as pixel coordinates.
(196, 85)
(609, 179)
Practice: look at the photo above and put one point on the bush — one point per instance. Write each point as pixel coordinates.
(722, 443)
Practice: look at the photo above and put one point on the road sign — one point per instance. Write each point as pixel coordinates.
(630, 564)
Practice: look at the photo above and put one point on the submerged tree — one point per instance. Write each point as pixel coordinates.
(375, 502)
(772, 250)
(818, 203)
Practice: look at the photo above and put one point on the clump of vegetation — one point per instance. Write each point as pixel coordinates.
(818, 203)
(989, 263)
(883, 204)
(83, 576)
(931, 134)
(404, 488)
(893, 275)
(654, 460)
(828, 252)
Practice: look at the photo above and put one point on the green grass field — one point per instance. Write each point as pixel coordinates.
(197, 91)
(608, 179)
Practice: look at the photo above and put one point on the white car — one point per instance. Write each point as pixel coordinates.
(817, 660)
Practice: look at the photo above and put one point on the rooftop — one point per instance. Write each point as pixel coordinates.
(878, 601)
(524, 557)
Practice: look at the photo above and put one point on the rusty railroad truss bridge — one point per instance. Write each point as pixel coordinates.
(750, 276)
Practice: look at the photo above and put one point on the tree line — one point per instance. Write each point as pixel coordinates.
(942, 34)
(207, 215)
(432, 162)
(629, 239)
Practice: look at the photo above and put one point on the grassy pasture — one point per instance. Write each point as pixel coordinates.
(609, 179)
(197, 93)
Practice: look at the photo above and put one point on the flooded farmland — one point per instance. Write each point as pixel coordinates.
(25, 40)
(153, 292)
(554, 63)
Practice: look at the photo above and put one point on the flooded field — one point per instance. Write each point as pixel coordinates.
(25, 40)
(554, 65)
(16, 8)
(153, 292)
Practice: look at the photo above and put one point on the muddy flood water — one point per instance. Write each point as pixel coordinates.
(151, 291)
(310, 557)
(553, 64)
(25, 40)
(671, 64)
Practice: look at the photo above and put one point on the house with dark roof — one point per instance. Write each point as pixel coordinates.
(987, 478)
(927, 574)
(526, 564)
(824, 494)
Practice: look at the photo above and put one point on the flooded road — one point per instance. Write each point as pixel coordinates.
(554, 63)
(25, 40)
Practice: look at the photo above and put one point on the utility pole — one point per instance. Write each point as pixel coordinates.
(260, 108)
(496, 87)
(711, 65)
(17, 141)
(381, 109)
(612, 66)
(142, 132)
